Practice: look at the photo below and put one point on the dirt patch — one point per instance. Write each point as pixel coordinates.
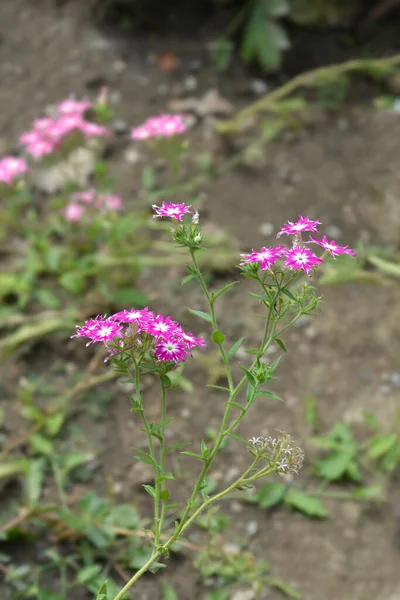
(344, 172)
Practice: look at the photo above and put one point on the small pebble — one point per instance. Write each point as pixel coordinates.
(334, 232)
(163, 89)
(394, 380)
(302, 322)
(190, 83)
(115, 97)
(385, 390)
(118, 487)
(119, 66)
(310, 333)
(231, 548)
(236, 507)
(267, 229)
(259, 87)
(132, 156)
(120, 127)
(243, 595)
(252, 528)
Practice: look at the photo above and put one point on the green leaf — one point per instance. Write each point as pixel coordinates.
(164, 495)
(276, 8)
(73, 281)
(102, 593)
(237, 405)
(250, 377)
(221, 292)
(311, 412)
(54, 423)
(168, 592)
(386, 267)
(271, 494)
(305, 503)
(201, 314)
(204, 449)
(47, 298)
(194, 455)
(176, 446)
(381, 443)
(367, 493)
(34, 480)
(233, 349)
(289, 293)
(334, 466)
(268, 394)
(148, 178)
(219, 387)
(129, 296)
(249, 393)
(280, 344)
(87, 573)
(150, 490)
(218, 337)
(157, 426)
(40, 444)
(187, 279)
(263, 40)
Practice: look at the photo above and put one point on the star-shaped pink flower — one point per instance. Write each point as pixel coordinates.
(333, 248)
(301, 258)
(175, 211)
(266, 257)
(303, 224)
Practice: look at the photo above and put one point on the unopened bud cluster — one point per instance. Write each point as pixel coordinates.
(281, 452)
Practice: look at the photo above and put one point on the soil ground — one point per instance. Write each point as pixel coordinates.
(343, 171)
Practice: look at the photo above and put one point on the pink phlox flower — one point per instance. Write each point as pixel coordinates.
(162, 126)
(71, 106)
(301, 258)
(87, 196)
(191, 340)
(170, 349)
(93, 129)
(303, 224)
(141, 317)
(11, 167)
(109, 202)
(175, 211)
(162, 328)
(333, 248)
(40, 148)
(99, 329)
(43, 124)
(73, 212)
(67, 123)
(30, 137)
(266, 257)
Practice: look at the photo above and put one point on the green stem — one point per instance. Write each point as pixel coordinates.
(138, 574)
(149, 441)
(161, 486)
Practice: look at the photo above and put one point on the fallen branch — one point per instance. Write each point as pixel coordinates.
(370, 66)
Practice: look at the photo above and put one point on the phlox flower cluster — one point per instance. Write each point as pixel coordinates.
(81, 201)
(159, 127)
(136, 330)
(48, 133)
(10, 169)
(281, 452)
(298, 257)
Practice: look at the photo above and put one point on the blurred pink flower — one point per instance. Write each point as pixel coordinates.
(11, 167)
(162, 126)
(73, 212)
